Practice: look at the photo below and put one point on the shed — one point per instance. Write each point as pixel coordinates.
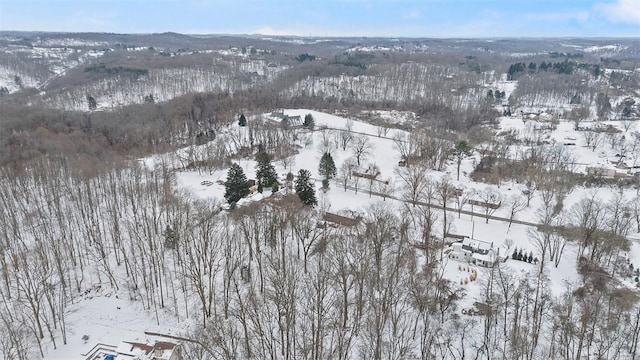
(341, 220)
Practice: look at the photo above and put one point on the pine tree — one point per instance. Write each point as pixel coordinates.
(459, 151)
(236, 187)
(490, 94)
(327, 168)
(309, 123)
(265, 172)
(515, 254)
(242, 121)
(91, 101)
(520, 255)
(304, 188)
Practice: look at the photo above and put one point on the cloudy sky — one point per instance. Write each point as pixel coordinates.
(394, 18)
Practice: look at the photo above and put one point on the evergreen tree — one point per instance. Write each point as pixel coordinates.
(327, 168)
(309, 123)
(490, 94)
(91, 101)
(543, 66)
(514, 69)
(461, 149)
(520, 255)
(530, 258)
(596, 71)
(242, 121)
(236, 187)
(304, 188)
(576, 99)
(515, 254)
(265, 172)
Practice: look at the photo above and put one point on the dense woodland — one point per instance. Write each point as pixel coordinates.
(81, 215)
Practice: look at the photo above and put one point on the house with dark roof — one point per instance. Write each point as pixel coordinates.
(287, 120)
(475, 252)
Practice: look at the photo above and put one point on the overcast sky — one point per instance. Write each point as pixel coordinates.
(390, 18)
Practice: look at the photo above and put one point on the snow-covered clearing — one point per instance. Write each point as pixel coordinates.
(386, 158)
(109, 316)
(109, 319)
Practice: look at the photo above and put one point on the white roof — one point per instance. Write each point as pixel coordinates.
(476, 244)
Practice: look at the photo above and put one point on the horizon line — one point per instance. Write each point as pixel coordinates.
(320, 36)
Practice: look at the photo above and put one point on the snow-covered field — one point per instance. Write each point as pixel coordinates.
(108, 316)
(386, 157)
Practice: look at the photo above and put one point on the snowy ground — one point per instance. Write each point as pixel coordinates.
(386, 158)
(107, 318)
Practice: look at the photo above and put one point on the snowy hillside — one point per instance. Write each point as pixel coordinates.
(403, 83)
(164, 84)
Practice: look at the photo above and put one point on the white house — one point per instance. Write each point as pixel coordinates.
(475, 251)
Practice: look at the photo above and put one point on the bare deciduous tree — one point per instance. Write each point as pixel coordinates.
(362, 148)
(492, 202)
(516, 204)
(414, 183)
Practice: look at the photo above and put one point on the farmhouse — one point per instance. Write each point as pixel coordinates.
(288, 120)
(475, 251)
